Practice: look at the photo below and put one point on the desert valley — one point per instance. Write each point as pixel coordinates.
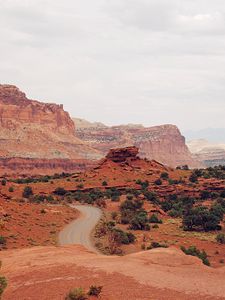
(93, 211)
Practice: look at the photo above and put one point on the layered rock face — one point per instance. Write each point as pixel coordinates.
(16, 110)
(210, 154)
(162, 143)
(31, 129)
(18, 166)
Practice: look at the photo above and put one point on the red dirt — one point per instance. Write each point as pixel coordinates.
(164, 274)
(26, 225)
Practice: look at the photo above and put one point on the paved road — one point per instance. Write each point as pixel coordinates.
(79, 231)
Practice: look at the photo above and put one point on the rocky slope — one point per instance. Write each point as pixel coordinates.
(31, 129)
(210, 154)
(162, 143)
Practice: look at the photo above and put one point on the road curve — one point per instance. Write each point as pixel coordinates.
(79, 231)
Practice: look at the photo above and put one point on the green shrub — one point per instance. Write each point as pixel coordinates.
(164, 175)
(3, 285)
(11, 189)
(76, 294)
(3, 182)
(154, 219)
(193, 251)
(104, 183)
(27, 192)
(156, 245)
(60, 191)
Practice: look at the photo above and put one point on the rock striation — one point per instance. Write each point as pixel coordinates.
(16, 111)
(36, 130)
(161, 143)
(210, 154)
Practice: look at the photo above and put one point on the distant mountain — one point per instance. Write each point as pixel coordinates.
(215, 135)
(210, 154)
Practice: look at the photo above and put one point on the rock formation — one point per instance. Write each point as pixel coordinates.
(210, 154)
(31, 129)
(162, 143)
(122, 154)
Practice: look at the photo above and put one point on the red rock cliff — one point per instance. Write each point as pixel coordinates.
(162, 143)
(16, 110)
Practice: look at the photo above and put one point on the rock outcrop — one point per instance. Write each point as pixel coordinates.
(122, 154)
(16, 111)
(162, 143)
(31, 129)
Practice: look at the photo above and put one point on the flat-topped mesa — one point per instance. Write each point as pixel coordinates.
(17, 110)
(120, 155)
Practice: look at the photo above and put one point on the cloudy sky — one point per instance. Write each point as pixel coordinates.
(119, 61)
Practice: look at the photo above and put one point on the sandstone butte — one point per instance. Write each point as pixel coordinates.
(40, 138)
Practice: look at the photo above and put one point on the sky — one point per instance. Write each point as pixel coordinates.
(119, 61)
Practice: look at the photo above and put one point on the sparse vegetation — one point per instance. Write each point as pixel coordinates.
(76, 294)
(193, 251)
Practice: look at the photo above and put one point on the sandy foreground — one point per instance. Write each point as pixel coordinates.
(50, 272)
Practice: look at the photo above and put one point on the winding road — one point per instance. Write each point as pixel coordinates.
(79, 231)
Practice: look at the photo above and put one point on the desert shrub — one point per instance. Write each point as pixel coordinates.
(193, 251)
(95, 290)
(202, 218)
(3, 182)
(3, 283)
(154, 219)
(130, 197)
(140, 221)
(144, 184)
(11, 189)
(27, 192)
(2, 240)
(164, 175)
(151, 196)
(156, 245)
(80, 186)
(60, 191)
(76, 294)
(155, 226)
(104, 183)
(220, 238)
(193, 178)
(205, 195)
(123, 237)
(114, 194)
(158, 181)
